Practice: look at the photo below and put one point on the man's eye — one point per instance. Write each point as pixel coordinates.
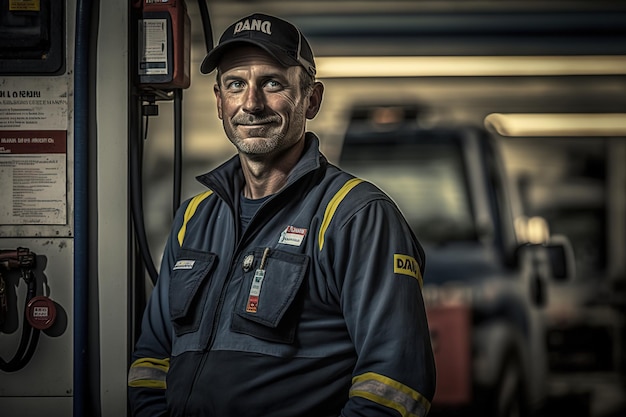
(273, 85)
(235, 85)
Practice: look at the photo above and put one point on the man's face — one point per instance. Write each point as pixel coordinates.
(260, 102)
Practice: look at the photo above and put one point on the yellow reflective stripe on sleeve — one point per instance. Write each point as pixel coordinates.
(189, 212)
(148, 373)
(332, 207)
(389, 393)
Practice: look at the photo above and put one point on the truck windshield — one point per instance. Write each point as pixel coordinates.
(426, 180)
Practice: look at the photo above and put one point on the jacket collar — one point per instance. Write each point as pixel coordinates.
(227, 180)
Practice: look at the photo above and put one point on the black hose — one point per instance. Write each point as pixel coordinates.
(178, 112)
(28, 340)
(178, 148)
(206, 24)
(136, 196)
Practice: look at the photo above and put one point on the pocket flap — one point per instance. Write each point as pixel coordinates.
(188, 274)
(284, 273)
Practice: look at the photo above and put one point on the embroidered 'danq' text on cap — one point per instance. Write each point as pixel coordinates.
(279, 38)
(264, 26)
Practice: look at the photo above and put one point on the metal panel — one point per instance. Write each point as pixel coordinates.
(36, 407)
(49, 373)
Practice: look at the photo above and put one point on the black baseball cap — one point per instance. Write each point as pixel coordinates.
(278, 37)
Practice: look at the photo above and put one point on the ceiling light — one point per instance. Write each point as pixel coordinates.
(557, 124)
(463, 66)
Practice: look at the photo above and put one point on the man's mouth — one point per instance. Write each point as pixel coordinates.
(254, 122)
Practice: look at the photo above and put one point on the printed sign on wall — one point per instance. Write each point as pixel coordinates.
(33, 151)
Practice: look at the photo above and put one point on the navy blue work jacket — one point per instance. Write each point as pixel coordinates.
(314, 310)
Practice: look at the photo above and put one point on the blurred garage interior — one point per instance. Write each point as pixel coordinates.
(531, 92)
(546, 78)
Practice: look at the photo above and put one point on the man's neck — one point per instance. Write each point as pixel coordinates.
(268, 176)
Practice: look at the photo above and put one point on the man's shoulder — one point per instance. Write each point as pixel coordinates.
(347, 194)
(354, 188)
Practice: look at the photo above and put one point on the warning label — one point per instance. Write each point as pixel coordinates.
(33, 104)
(33, 147)
(33, 167)
(153, 47)
(24, 5)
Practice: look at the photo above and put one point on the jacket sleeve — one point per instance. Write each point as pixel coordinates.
(151, 357)
(378, 266)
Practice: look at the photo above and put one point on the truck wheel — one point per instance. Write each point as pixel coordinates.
(508, 400)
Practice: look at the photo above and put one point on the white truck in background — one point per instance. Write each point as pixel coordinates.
(487, 267)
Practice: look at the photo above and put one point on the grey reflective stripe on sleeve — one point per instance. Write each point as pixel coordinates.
(148, 373)
(389, 393)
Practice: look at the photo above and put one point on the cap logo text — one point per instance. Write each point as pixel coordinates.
(264, 26)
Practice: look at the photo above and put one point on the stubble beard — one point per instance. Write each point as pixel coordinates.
(257, 141)
(261, 141)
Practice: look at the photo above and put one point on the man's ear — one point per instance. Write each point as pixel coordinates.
(315, 100)
(218, 99)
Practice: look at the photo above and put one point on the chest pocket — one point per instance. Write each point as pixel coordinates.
(269, 302)
(188, 286)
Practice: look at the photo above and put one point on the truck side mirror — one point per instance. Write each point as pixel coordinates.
(554, 261)
(561, 260)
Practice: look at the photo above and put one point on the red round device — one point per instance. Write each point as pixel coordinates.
(41, 312)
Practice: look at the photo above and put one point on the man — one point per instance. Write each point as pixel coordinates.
(289, 288)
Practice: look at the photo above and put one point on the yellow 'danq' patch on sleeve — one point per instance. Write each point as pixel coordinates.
(407, 265)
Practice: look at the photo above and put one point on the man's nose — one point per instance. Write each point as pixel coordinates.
(254, 100)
